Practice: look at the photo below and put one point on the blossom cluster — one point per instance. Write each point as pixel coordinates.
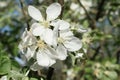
(49, 39)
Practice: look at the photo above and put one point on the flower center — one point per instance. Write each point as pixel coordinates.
(41, 44)
(46, 24)
(60, 40)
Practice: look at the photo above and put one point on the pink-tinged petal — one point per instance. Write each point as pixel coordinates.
(44, 60)
(48, 36)
(62, 52)
(37, 29)
(73, 44)
(53, 11)
(35, 13)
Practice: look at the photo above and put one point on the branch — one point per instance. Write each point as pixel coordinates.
(92, 21)
(96, 53)
(118, 57)
(100, 9)
(50, 73)
(24, 14)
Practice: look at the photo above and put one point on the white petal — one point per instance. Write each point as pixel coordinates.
(53, 11)
(51, 52)
(55, 36)
(54, 43)
(37, 29)
(35, 13)
(55, 23)
(24, 34)
(48, 36)
(30, 52)
(44, 60)
(63, 25)
(66, 34)
(62, 52)
(3, 78)
(73, 44)
(27, 39)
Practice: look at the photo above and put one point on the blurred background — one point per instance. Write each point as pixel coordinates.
(101, 42)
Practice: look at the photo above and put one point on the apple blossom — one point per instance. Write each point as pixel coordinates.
(46, 44)
(42, 27)
(36, 48)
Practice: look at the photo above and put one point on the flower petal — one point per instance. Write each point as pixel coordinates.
(66, 34)
(37, 29)
(55, 23)
(44, 60)
(73, 44)
(53, 11)
(30, 52)
(62, 52)
(55, 36)
(51, 52)
(4, 78)
(35, 13)
(48, 36)
(63, 25)
(27, 40)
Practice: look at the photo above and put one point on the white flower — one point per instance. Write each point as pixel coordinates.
(69, 41)
(25, 45)
(3, 78)
(36, 48)
(48, 39)
(66, 42)
(42, 28)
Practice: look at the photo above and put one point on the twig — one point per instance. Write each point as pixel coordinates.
(96, 53)
(24, 14)
(100, 9)
(92, 21)
(118, 57)
(50, 73)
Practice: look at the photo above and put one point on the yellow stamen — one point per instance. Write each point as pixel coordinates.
(46, 24)
(41, 44)
(60, 40)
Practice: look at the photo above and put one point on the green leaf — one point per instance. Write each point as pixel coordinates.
(25, 78)
(15, 75)
(5, 65)
(33, 79)
(111, 74)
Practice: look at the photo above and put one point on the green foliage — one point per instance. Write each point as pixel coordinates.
(5, 65)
